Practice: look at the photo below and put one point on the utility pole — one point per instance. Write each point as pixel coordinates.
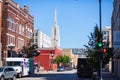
(101, 39)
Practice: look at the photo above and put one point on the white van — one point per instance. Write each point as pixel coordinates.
(21, 65)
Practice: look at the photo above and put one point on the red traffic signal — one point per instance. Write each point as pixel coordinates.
(104, 50)
(99, 36)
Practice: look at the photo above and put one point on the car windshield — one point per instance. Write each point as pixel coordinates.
(1, 69)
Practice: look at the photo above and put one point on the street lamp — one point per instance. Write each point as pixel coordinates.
(52, 55)
(11, 46)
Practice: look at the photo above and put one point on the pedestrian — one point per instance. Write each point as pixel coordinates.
(37, 68)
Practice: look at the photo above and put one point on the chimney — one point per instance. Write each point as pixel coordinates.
(26, 8)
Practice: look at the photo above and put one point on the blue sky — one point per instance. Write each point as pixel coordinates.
(76, 18)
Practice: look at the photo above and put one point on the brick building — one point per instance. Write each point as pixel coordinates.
(17, 25)
(45, 59)
(0, 30)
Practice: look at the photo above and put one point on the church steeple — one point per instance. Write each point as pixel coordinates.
(55, 17)
(55, 41)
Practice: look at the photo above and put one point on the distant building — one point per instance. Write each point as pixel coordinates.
(42, 39)
(17, 26)
(107, 37)
(47, 57)
(116, 37)
(74, 57)
(55, 39)
(80, 51)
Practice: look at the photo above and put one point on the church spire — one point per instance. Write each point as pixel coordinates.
(55, 39)
(55, 17)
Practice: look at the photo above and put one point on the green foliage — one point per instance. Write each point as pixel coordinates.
(92, 49)
(66, 60)
(59, 59)
(94, 52)
(29, 49)
(63, 59)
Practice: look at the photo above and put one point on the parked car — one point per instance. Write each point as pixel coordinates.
(60, 68)
(7, 72)
(67, 68)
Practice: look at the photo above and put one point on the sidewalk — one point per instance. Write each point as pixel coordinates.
(46, 72)
(108, 76)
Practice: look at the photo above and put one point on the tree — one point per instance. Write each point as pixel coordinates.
(66, 60)
(94, 53)
(30, 50)
(63, 59)
(92, 49)
(59, 59)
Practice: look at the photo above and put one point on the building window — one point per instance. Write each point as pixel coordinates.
(11, 39)
(22, 29)
(20, 43)
(11, 24)
(17, 28)
(36, 40)
(104, 37)
(104, 32)
(36, 34)
(29, 33)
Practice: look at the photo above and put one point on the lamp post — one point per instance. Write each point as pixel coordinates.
(11, 46)
(52, 55)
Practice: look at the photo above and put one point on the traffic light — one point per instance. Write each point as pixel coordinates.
(99, 40)
(104, 50)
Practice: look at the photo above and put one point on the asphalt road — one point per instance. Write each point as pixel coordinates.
(53, 75)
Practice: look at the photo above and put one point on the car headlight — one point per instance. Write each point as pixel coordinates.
(0, 75)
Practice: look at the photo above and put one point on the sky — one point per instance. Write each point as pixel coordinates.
(76, 18)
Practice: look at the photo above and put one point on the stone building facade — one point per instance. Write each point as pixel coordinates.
(116, 37)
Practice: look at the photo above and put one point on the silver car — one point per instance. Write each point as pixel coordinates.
(7, 72)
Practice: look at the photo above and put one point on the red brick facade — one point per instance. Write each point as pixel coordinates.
(0, 30)
(44, 59)
(17, 25)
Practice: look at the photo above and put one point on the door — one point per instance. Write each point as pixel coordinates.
(11, 71)
(7, 73)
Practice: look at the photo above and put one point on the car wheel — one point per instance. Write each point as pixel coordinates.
(14, 77)
(20, 75)
(2, 78)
